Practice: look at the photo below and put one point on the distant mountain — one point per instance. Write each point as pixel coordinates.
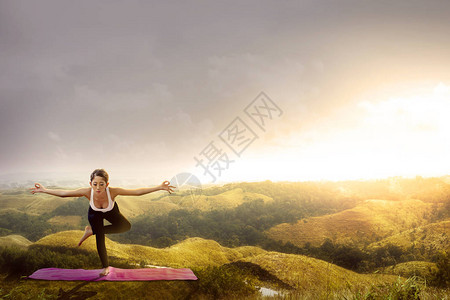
(65, 180)
(27, 179)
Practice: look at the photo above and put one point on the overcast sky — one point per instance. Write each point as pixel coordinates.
(140, 88)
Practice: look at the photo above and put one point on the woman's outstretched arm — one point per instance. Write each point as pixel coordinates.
(165, 186)
(39, 188)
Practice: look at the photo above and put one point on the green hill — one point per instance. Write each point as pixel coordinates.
(228, 199)
(299, 271)
(363, 224)
(426, 240)
(135, 206)
(73, 221)
(412, 268)
(155, 203)
(14, 240)
(309, 277)
(23, 201)
(310, 274)
(193, 252)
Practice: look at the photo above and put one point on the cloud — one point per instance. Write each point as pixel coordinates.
(228, 73)
(54, 136)
(442, 89)
(60, 153)
(132, 83)
(154, 98)
(421, 112)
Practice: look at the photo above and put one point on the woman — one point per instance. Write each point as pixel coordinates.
(102, 206)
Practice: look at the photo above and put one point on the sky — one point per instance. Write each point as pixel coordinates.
(224, 90)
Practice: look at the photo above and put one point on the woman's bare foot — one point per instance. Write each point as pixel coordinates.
(104, 272)
(87, 233)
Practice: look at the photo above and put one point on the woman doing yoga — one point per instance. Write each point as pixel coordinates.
(102, 205)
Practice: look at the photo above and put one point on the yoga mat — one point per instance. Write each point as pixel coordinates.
(115, 274)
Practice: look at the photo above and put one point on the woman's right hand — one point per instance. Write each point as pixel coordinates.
(39, 188)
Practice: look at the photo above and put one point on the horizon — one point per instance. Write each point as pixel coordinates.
(21, 181)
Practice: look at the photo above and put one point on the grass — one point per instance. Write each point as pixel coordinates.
(363, 224)
(193, 252)
(205, 289)
(299, 271)
(234, 273)
(420, 269)
(224, 273)
(74, 221)
(134, 206)
(225, 200)
(15, 240)
(432, 238)
(155, 204)
(308, 274)
(34, 289)
(23, 201)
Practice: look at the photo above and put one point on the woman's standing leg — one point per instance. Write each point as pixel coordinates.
(118, 224)
(96, 220)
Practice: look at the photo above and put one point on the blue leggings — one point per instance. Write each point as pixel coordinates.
(118, 224)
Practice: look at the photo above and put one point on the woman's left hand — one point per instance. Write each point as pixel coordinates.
(165, 186)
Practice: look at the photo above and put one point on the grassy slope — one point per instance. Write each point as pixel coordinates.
(23, 201)
(135, 206)
(14, 240)
(299, 271)
(309, 274)
(432, 237)
(412, 268)
(65, 220)
(228, 199)
(194, 252)
(311, 278)
(363, 224)
(41, 289)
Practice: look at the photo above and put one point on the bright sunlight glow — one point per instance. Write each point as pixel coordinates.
(378, 138)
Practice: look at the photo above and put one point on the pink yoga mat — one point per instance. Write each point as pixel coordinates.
(115, 274)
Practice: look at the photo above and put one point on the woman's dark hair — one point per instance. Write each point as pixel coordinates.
(101, 173)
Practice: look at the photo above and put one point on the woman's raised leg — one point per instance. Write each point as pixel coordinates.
(87, 233)
(118, 222)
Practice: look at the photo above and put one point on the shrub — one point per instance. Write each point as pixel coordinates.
(224, 282)
(400, 290)
(18, 262)
(442, 276)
